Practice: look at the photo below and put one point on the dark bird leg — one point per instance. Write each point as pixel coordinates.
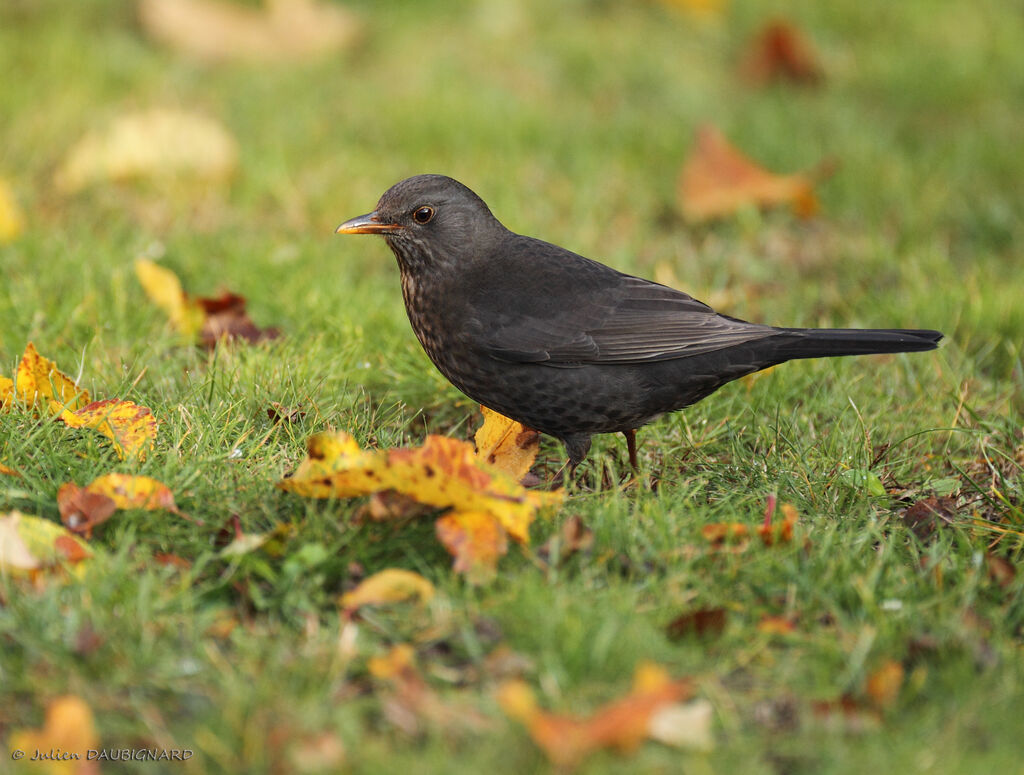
(631, 446)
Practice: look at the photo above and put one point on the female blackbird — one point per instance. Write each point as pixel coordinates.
(563, 344)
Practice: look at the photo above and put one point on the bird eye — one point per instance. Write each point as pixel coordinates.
(423, 214)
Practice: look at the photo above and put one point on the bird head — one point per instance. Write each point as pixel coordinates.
(427, 220)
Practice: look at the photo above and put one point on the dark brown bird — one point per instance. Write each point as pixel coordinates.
(563, 344)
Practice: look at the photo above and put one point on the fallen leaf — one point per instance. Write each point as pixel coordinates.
(476, 540)
(700, 622)
(69, 728)
(226, 318)
(722, 532)
(81, 510)
(8, 471)
(30, 544)
(884, 684)
(717, 181)
(683, 725)
(7, 394)
(398, 659)
(392, 585)
(131, 427)
(218, 32)
(780, 52)
(622, 724)
(1000, 570)
(208, 319)
(846, 715)
(12, 220)
(702, 9)
(506, 444)
(163, 288)
(278, 413)
(776, 625)
(780, 532)
(925, 516)
(39, 384)
(156, 143)
(390, 506)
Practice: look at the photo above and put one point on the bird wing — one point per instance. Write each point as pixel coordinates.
(611, 318)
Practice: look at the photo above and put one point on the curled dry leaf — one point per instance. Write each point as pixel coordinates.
(70, 729)
(279, 413)
(780, 52)
(156, 143)
(30, 545)
(717, 181)
(82, 510)
(220, 31)
(225, 318)
(12, 220)
(392, 585)
(925, 516)
(622, 724)
(506, 444)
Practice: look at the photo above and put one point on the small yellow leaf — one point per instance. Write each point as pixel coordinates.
(159, 143)
(69, 729)
(506, 444)
(164, 289)
(40, 384)
(883, 685)
(8, 471)
(131, 427)
(12, 220)
(392, 585)
(6, 392)
(394, 663)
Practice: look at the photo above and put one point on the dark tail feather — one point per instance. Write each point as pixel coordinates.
(826, 342)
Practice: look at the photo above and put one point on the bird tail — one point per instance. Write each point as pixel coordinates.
(795, 343)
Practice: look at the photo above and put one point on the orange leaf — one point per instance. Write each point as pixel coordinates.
(717, 180)
(781, 532)
(883, 685)
(506, 444)
(622, 724)
(8, 471)
(131, 427)
(780, 51)
(443, 473)
(392, 585)
(476, 540)
(776, 625)
(70, 729)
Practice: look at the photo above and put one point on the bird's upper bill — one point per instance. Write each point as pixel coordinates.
(371, 223)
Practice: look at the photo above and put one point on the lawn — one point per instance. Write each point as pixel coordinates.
(572, 120)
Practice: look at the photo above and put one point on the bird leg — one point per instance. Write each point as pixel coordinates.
(631, 447)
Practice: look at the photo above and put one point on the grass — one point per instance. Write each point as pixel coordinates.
(571, 121)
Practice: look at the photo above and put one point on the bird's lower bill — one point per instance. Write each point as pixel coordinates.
(367, 224)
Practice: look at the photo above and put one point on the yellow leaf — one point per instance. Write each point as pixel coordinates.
(717, 180)
(12, 220)
(394, 663)
(39, 384)
(8, 471)
(131, 427)
(392, 585)
(6, 392)
(506, 444)
(164, 289)
(218, 31)
(883, 685)
(29, 544)
(69, 729)
(476, 540)
(699, 8)
(134, 492)
(157, 143)
(443, 472)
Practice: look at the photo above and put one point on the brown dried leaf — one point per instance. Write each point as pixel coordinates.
(279, 413)
(81, 510)
(286, 30)
(717, 181)
(700, 622)
(780, 52)
(928, 514)
(226, 318)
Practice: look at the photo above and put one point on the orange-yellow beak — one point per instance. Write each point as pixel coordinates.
(370, 223)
